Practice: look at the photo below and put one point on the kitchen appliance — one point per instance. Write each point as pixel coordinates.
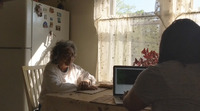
(28, 30)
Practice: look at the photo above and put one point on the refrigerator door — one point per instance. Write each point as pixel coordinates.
(49, 26)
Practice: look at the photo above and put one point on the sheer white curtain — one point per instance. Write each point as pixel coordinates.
(122, 38)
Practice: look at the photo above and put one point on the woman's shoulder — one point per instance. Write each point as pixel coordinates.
(75, 66)
(162, 67)
(171, 68)
(51, 66)
(168, 65)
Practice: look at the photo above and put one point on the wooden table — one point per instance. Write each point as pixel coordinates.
(102, 101)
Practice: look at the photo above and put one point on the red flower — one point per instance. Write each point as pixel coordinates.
(151, 58)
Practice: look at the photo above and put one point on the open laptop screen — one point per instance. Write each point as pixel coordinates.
(124, 77)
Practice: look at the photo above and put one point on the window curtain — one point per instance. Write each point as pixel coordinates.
(122, 38)
(170, 10)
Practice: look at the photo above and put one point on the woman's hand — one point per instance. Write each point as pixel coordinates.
(86, 85)
(125, 93)
(92, 87)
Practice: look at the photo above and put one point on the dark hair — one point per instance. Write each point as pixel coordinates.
(181, 42)
(63, 50)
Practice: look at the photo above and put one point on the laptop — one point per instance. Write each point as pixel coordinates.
(123, 80)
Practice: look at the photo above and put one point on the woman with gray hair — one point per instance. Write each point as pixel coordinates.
(62, 75)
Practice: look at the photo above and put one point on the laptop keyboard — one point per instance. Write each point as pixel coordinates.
(120, 97)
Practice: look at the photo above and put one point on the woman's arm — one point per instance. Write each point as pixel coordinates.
(84, 75)
(54, 84)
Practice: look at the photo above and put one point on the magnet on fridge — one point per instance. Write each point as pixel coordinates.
(45, 16)
(59, 20)
(58, 28)
(44, 10)
(45, 25)
(51, 10)
(38, 10)
(51, 25)
(59, 14)
(51, 18)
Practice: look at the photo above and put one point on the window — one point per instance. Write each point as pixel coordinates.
(123, 32)
(126, 27)
(196, 5)
(134, 6)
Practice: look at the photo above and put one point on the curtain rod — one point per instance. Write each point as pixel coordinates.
(115, 18)
(187, 13)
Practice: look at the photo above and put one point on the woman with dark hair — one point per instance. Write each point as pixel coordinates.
(62, 75)
(174, 83)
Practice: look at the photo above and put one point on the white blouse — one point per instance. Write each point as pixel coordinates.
(54, 80)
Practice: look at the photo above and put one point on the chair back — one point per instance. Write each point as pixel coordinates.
(33, 76)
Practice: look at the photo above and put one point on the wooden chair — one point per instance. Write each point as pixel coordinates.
(33, 76)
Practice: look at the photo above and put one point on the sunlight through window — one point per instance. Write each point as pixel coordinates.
(196, 5)
(134, 6)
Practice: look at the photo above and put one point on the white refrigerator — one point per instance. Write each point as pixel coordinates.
(28, 30)
(49, 26)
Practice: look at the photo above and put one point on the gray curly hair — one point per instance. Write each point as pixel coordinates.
(63, 50)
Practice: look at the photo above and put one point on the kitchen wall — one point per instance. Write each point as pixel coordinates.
(83, 33)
